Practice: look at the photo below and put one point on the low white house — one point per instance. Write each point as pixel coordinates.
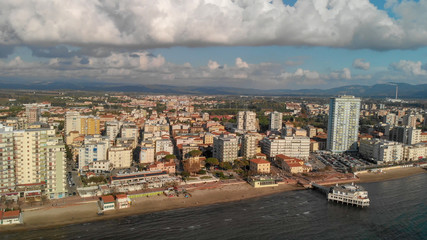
(10, 217)
(122, 201)
(107, 203)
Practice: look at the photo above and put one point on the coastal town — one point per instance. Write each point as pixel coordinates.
(113, 154)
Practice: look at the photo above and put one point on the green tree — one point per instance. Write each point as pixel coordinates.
(212, 162)
(195, 153)
(225, 165)
(170, 157)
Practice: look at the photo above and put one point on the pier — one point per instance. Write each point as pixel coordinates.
(345, 194)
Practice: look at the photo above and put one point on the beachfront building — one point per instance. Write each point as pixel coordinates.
(7, 160)
(262, 181)
(40, 160)
(225, 148)
(246, 120)
(260, 166)
(107, 203)
(343, 124)
(293, 146)
(414, 152)
(122, 201)
(11, 217)
(381, 150)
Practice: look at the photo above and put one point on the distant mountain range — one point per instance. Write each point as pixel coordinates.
(377, 90)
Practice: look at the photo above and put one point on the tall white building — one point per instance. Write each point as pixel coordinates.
(276, 121)
(225, 148)
(246, 120)
(343, 124)
(72, 122)
(293, 146)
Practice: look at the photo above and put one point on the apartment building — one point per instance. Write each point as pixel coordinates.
(40, 159)
(343, 124)
(120, 157)
(72, 122)
(381, 151)
(225, 148)
(249, 145)
(276, 121)
(294, 146)
(260, 166)
(90, 125)
(246, 120)
(7, 160)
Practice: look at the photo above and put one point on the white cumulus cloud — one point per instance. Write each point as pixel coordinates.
(194, 23)
(409, 67)
(361, 64)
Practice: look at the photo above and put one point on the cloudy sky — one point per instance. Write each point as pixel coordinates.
(265, 44)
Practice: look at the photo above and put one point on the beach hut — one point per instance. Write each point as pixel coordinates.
(107, 203)
(122, 201)
(10, 217)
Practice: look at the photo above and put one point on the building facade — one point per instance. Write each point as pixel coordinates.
(276, 121)
(225, 148)
(343, 124)
(246, 120)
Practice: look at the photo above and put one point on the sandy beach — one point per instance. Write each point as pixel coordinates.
(86, 212)
(58, 216)
(390, 174)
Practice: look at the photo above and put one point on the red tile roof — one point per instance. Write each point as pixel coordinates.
(11, 214)
(107, 199)
(259, 161)
(121, 196)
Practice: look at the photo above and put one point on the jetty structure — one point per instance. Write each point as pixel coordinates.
(346, 194)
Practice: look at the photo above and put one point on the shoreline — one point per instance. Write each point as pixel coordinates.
(86, 212)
